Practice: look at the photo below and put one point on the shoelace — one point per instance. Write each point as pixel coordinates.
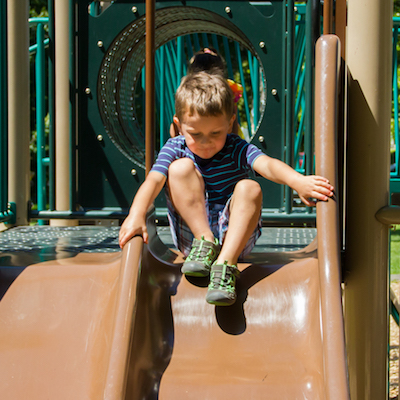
(223, 279)
(202, 251)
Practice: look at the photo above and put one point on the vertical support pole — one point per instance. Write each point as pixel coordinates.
(40, 114)
(245, 100)
(395, 97)
(340, 31)
(326, 95)
(3, 110)
(62, 108)
(51, 66)
(72, 108)
(328, 17)
(150, 74)
(179, 59)
(163, 108)
(369, 56)
(310, 43)
(18, 107)
(256, 91)
(289, 97)
(341, 23)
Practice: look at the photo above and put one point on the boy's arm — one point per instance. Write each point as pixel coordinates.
(311, 186)
(135, 222)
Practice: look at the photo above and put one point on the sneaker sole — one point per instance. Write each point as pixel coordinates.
(218, 299)
(195, 269)
(196, 273)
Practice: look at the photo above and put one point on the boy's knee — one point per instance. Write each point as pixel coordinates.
(181, 167)
(248, 188)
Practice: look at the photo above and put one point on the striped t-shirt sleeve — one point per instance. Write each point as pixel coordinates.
(252, 153)
(171, 151)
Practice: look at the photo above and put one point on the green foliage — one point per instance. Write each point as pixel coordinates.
(247, 84)
(395, 250)
(38, 8)
(396, 7)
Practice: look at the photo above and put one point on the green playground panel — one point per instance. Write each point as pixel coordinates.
(110, 61)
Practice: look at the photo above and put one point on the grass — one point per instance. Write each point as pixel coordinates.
(395, 250)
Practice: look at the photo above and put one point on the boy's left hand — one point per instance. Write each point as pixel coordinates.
(313, 187)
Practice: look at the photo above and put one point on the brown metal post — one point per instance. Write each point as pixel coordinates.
(326, 95)
(18, 107)
(150, 96)
(340, 23)
(62, 111)
(328, 17)
(369, 62)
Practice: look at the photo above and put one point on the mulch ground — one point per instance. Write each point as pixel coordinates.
(394, 352)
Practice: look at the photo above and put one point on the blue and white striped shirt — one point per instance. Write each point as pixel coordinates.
(221, 172)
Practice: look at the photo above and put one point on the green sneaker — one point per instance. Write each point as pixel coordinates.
(201, 257)
(221, 290)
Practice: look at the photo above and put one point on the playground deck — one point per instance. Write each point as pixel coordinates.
(26, 245)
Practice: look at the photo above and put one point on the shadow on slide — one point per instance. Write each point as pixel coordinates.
(130, 326)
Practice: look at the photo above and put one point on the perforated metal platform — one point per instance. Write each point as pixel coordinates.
(28, 245)
(272, 239)
(22, 246)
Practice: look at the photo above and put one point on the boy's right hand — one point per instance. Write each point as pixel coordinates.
(132, 227)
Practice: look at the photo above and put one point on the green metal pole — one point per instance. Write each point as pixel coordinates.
(246, 102)
(290, 25)
(94, 8)
(179, 59)
(205, 40)
(215, 43)
(396, 96)
(3, 109)
(51, 66)
(72, 107)
(196, 42)
(255, 83)
(308, 138)
(40, 114)
(228, 59)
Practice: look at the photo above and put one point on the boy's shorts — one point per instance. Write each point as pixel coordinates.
(218, 219)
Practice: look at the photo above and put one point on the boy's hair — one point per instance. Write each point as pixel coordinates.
(207, 60)
(206, 94)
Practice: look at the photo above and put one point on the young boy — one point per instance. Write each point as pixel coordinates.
(209, 194)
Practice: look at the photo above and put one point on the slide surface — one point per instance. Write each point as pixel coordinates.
(284, 337)
(96, 325)
(267, 345)
(129, 326)
(65, 327)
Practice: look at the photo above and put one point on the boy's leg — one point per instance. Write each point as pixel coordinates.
(245, 209)
(186, 189)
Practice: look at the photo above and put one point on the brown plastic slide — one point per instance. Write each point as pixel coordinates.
(65, 327)
(129, 326)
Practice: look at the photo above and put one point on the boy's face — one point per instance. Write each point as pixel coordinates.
(204, 136)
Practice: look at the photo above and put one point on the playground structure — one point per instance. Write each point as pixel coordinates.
(365, 241)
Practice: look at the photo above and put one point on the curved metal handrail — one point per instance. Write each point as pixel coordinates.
(326, 94)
